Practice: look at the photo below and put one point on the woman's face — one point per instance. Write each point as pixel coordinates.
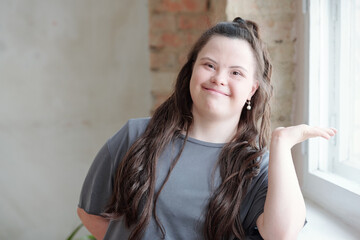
(223, 78)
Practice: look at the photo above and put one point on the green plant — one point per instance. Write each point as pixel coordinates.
(71, 236)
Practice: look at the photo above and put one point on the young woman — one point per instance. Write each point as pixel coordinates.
(202, 166)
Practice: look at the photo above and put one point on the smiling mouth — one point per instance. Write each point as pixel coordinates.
(216, 91)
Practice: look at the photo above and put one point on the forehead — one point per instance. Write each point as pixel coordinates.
(228, 50)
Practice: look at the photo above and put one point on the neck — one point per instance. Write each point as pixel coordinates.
(215, 131)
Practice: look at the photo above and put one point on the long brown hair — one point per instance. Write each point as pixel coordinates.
(134, 196)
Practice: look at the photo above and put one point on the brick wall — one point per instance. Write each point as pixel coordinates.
(174, 26)
(277, 20)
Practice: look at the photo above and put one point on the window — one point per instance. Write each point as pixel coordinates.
(346, 113)
(332, 176)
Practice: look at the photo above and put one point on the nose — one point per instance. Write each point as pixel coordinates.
(219, 78)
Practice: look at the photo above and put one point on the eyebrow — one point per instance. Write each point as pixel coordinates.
(207, 58)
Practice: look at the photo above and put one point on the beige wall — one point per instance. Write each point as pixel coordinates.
(71, 73)
(300, 104)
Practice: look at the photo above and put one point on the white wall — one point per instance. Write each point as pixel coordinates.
(71, 73)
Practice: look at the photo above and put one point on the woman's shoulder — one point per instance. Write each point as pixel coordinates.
(137, 125)
(128, 133)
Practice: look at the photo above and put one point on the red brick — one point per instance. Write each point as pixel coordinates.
(155, 41)
(195, 5)
(171, 6)
(176, 6)
(197, 22)
(192, 37)
(162, 22)
(163, 60)
(172, 39)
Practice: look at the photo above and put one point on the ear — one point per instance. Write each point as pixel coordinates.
(254, 87)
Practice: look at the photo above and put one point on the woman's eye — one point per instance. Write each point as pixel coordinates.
(210, 66)
(237, 73)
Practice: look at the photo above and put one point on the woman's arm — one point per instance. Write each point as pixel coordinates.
(284, 210)
(96, 225)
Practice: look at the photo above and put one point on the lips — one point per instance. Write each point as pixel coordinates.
(216, 91)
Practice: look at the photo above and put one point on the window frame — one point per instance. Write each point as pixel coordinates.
(343, 163)
(338, 195)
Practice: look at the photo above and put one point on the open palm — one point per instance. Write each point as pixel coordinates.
(299, 133)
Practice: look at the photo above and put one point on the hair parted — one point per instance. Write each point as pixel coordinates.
(134, 196)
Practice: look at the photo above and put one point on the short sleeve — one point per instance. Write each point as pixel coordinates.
(98, 184)
(255, 200)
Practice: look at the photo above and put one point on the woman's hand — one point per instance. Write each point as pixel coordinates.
(290, 136)
(284, 210)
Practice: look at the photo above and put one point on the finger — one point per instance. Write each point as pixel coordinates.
(330, 131)
(324, 133)
(320, 132)
(334, 130)
(327, 133)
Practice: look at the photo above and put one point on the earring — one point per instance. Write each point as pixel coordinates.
(248, 105)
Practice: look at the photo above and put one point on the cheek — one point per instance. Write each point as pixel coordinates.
(196, 77)
(192, 87)
(241, 93)
(196, 80)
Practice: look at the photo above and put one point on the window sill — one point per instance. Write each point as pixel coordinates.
(322, 225)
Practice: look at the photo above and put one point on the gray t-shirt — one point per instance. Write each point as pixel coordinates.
(184, 198)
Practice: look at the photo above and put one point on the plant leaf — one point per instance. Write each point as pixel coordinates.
(89, 237)
(74, 232)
